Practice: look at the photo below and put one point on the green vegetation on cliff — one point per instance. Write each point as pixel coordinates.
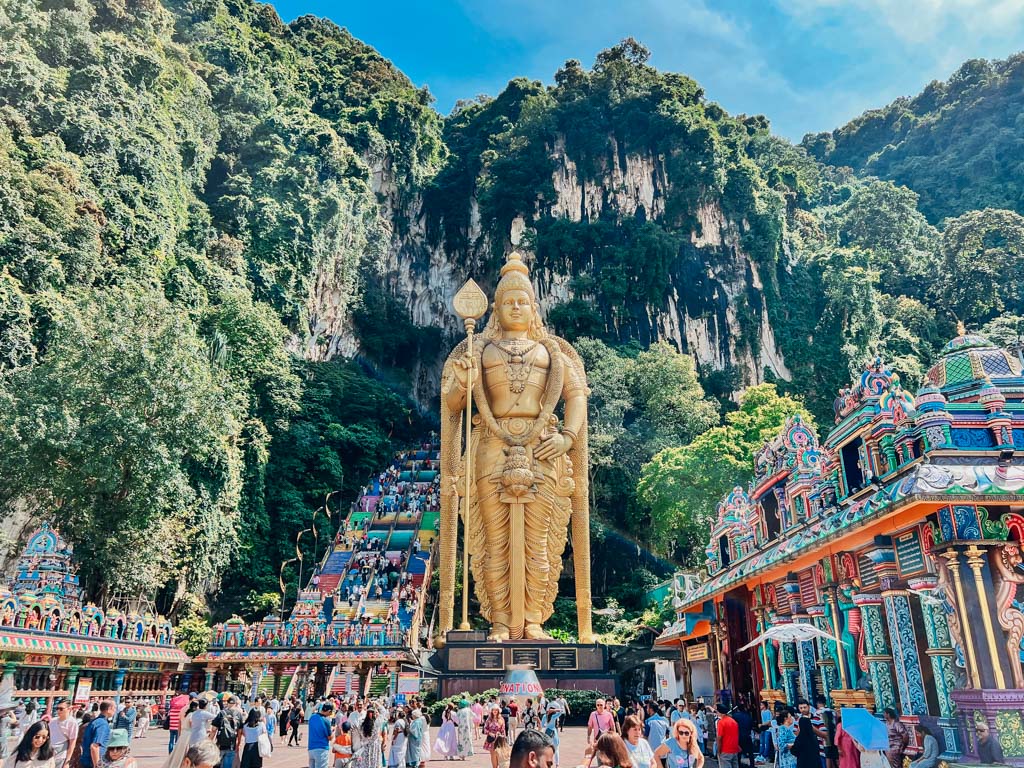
(958, 144)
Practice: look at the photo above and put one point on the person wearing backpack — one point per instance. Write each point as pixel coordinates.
(228, 723)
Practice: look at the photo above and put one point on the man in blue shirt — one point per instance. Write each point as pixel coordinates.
(656, 726)
(96, 736)
(319, 737)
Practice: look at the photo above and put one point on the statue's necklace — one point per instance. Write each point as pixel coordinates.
(517, 369)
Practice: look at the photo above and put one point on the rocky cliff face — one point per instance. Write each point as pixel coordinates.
(714, 305)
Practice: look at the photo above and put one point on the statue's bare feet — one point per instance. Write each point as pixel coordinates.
(535, 632)
(499, 632)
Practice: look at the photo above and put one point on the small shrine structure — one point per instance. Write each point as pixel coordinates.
(55, 646)
(899, 535)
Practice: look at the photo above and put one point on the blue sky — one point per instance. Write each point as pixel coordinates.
(809, 65)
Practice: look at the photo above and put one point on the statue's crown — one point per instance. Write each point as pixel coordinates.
(514, 275)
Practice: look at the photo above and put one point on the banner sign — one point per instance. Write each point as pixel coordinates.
(83, 691)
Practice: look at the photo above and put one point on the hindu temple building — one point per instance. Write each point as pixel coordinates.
(55, 645)
(357, 621)
(898, 536)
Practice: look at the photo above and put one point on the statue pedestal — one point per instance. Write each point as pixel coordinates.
(471, 664)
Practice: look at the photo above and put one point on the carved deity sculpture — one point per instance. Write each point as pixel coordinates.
(1008, 561)
(529, 470)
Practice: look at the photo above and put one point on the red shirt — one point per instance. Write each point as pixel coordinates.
(729, 735)
(175, 708)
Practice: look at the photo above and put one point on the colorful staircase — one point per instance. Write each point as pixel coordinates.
(333, 570)
(266, 684)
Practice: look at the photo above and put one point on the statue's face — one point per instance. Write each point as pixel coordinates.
(515, 312)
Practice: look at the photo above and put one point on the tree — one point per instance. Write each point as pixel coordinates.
(260, 604)
(193, 635)
(882, 218)
(982, 265)
(670, 400)
(682, 486)
(128, 437)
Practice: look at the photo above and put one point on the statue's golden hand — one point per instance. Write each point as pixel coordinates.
(552, 446)
(461, 369)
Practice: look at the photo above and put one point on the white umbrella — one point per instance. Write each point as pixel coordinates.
(789, 633)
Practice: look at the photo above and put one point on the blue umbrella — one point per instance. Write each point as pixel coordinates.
(865, 728)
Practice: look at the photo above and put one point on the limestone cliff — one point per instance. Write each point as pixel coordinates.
(713, 305)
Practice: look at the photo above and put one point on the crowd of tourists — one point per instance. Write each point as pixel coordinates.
(665, 734)
(94, 735)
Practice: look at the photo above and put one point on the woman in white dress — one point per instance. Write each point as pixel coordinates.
(370, 752)
(447, 737)
(396, 755)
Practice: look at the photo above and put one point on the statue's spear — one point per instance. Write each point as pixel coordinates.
(470, 303)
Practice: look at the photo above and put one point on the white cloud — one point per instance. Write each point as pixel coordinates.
(918, 21)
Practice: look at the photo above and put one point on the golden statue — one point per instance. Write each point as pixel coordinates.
(528, 474)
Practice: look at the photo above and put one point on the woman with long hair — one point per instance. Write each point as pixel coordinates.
(785, 737)
(805, 747)
(494, 726)
(610, 751)
(682, 750)
(247, 745)
(369, 754)
(34, 749)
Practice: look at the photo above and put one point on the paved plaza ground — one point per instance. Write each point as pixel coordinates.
(152, 751)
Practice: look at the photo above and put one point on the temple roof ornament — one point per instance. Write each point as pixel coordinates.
(887, 446)
(44, 595)
(970, 360)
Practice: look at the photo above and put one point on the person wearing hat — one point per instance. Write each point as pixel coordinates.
(117, 754)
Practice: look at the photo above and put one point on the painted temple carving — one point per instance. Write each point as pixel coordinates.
(899, 534)
(45, 595)
(52, 639)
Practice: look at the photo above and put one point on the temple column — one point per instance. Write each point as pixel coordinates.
(790, 671)
(903, 640)
(165, 683)
(71, 680)
(940, 654)
(806, 663)
(119, 676)
(210, 673)
(827, 655)
(10, 669)
(876, 650)
(976, 556)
